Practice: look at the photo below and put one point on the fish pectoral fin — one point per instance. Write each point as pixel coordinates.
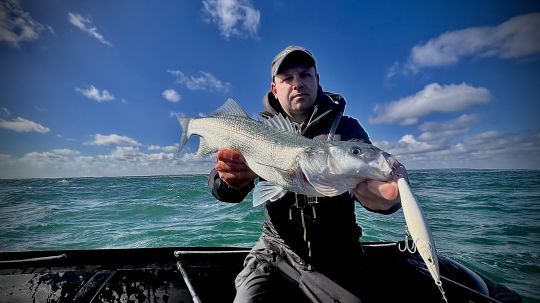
(266, 191)
(326, 190)
(321, 185)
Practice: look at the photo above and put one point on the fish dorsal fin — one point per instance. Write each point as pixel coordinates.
(280, 122)
(230, 108)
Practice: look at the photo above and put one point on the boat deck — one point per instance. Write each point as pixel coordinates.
(206, 274)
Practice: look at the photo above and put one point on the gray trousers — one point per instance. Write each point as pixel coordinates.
(272, 275)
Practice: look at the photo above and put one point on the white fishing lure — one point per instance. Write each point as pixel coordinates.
(420, 232)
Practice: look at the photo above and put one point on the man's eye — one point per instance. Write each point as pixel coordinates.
(287, 79)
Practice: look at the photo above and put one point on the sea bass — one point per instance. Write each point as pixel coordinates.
(287, 161)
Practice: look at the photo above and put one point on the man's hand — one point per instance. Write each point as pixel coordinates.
(379, 195)
(232, 168)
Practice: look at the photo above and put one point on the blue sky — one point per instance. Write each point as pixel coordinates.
(91, 88)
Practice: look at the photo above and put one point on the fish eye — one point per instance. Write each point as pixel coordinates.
(355, 150)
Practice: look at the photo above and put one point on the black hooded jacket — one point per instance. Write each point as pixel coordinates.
(314, 230)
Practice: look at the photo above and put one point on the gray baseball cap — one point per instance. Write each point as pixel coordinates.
(292, 54)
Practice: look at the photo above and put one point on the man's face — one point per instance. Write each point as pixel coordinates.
(296, 89)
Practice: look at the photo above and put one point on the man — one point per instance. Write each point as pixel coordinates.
(309, 242)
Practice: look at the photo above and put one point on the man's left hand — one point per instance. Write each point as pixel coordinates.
(379, 195)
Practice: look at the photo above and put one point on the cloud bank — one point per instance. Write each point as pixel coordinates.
(515, 38)
(449, 144)
(121, 161)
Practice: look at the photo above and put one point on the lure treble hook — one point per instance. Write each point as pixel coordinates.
(411, 248)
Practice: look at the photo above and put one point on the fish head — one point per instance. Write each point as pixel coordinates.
(340, 165)
(360, 161)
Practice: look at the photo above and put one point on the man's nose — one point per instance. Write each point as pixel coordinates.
(297, 81)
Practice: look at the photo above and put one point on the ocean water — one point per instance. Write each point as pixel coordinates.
(488, 220)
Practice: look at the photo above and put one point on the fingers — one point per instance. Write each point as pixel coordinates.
(237, 179)
(237, 176)
(232, 168)
(230, 155)
(231, 161)
(229, 166)
(386, 190)
(377, 195)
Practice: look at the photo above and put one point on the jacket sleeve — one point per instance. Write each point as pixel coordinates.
(389, 211)
(223, 192)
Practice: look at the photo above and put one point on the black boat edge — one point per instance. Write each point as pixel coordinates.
(206, 274)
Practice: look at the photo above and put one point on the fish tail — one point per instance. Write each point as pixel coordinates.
(184, 124)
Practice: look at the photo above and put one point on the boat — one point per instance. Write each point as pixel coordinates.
(206, 274)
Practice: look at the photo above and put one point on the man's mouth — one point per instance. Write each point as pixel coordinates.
(301, 95)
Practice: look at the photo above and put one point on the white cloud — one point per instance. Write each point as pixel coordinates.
(434, 136)
(445, 131)
(22, 125)
(235, 18)
(85, 24)
(93, 93)
(433, 98)
(206, 81)
(114, 139)
(5, 112)
(66, 152)
(16, 25)
(53, 155)
(407, 145)
(516, 38)
(168, 148)
(127, 153)
(4, 157)
(171, 95)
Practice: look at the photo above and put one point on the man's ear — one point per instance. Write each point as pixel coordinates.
(273, 89)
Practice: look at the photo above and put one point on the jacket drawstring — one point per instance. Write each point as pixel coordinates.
(313, 201)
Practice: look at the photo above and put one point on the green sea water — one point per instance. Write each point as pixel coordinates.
(488, 220)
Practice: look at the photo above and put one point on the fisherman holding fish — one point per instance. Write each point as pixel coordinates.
(309, 248)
